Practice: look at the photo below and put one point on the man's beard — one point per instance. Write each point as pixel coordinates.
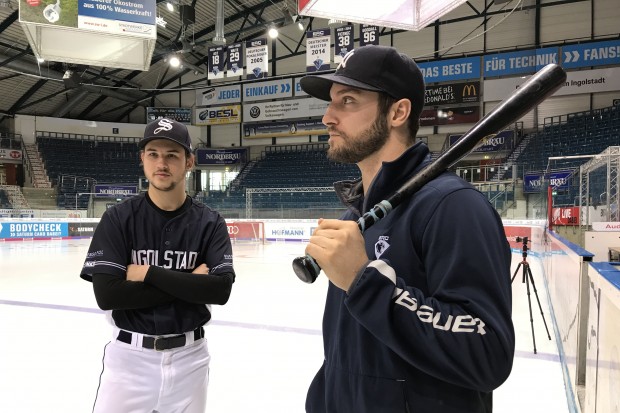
(166, 188)
(356, 149)
(170, 187)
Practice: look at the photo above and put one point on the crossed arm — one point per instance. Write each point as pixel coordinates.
(148, 286)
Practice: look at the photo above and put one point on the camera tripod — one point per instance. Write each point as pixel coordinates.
(527, 279)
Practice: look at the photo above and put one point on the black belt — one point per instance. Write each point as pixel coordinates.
(161, 343)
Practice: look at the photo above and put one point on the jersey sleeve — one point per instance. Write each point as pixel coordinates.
(116, 293)
(218, 255)
(107, 253)
(461, 330)
(193, 288)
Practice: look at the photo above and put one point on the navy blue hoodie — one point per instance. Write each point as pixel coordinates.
(426, 326)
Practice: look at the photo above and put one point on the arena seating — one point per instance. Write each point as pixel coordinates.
(85, 160)
(287, 166)
(581, 133)
(4, 200)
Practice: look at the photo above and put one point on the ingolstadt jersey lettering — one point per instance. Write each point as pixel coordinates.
(137, 232)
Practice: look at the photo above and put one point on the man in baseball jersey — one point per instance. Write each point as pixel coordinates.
(157, 261)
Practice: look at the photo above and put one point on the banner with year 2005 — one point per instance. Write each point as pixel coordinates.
(318, 53)
(216, 62)
(235, 60)
(343, 43)
(257, 58)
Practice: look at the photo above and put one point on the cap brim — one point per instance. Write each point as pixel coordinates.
(144, 141)
(320, 85)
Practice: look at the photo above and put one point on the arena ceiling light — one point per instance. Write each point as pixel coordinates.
(399, 14)
(272, 31)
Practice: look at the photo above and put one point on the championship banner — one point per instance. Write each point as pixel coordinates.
(318, 53)
(343, 43)
(216, 62)
(453, 93)
(220, 156)
(235, 60)
(369, 35)
(278, 129)
(218, 95)
(450, 116)
(257, 58)
(10, 155)
(182, 115)
(218, 115)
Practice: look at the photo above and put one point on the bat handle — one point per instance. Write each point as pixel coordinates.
(306, 269)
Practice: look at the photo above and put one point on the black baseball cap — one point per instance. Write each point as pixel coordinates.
(376, 68)
(165, 128)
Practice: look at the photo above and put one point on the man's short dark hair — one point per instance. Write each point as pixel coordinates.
(413, 123)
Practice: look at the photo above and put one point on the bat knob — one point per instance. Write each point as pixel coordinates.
(306, 269)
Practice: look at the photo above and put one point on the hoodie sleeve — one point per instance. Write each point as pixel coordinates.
(461, 330)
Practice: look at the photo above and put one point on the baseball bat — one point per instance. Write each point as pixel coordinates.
(536, 89)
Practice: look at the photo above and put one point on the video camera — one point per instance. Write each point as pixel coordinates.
(525, 241)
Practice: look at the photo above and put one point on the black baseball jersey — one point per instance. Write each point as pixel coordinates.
(137, 232)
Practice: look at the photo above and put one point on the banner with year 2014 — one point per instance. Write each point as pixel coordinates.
(318, 53)
(216, 62)
(235, 60)
(257, 58)
(343, 43)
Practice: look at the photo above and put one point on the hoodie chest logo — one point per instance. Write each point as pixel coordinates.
(381, 246)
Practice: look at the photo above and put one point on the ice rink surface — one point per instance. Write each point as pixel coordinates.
(265, 343)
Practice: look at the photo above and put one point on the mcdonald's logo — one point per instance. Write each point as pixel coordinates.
(470, 90)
